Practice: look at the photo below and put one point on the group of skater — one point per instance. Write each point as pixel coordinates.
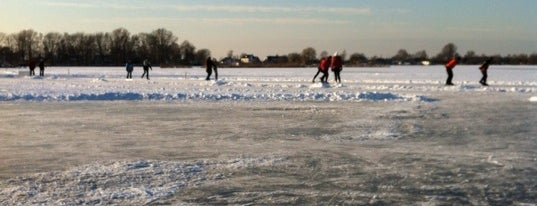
(146, 65)
(34, 62)
(335, 62)
(210, 63)
(454, 61)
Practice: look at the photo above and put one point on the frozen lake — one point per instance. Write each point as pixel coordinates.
(269, 136)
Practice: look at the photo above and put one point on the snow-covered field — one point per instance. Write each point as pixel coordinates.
(258, 136)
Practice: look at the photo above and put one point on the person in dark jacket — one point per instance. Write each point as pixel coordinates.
(484, 67)
(146, 65)
(449, 69)
(42, 67)
(130, 68)
(209, 63)
(337, 66)
(31, 65)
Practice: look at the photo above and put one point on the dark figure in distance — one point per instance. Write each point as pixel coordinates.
(31, 65)
(449, 69)
(130, 68)
(146, 66)
(42, 67)
(210, 66)
(337, 66)
(323, 67)
(484, 67)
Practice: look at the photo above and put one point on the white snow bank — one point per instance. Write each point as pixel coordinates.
(207, 96)
(533, 99)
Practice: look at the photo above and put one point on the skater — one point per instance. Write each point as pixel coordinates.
(130, 68)
(337, 66)
(42, 67)
(323, 67)
(449, 69)
(484, 67)
(209, 68)
(215, 69)
(146, 66)
(31, 65)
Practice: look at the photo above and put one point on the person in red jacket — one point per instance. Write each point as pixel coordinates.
(323, 67)
(449, 68)
(337, 66)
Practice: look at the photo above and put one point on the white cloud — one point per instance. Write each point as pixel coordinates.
(211, 8)
(264, 9)
(265, 21)
(216, 21)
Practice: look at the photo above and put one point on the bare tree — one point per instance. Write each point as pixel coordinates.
(51, 41)
(295, 58)
(27, 43)
(449, 51)
(201, 56)
(119, 45)
(401, 56)
(421, 55)
(357, 58)
(323, 54)
(163, 43)
(309, 55)
(103, 43)
(3, 37)
(187, 52)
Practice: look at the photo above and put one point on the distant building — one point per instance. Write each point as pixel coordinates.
(250, 59)
(276, 59)
(229, 61)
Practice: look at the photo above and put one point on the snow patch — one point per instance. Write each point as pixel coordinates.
(121, 182)
(533, 99)
(138, 182)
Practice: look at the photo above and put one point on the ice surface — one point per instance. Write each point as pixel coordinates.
(87, 136)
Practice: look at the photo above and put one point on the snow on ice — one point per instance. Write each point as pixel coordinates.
(254, 84)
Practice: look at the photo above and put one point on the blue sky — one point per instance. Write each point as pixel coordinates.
(373, 27)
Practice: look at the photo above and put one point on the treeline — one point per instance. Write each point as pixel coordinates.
(99, 49)
(162, 48)
(403, 57)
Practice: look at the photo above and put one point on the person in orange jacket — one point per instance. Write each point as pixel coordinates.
(323, 67)
(337, 66)
(484, 67)
(449, 68)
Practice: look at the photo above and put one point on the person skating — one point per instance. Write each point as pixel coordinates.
(449, 69)
(31, 66)
(146, 65)
(337, 66)
(215, 69)
(484, 67)
(323, 67)
(42, 67)
(209, 68)
(130, 68)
